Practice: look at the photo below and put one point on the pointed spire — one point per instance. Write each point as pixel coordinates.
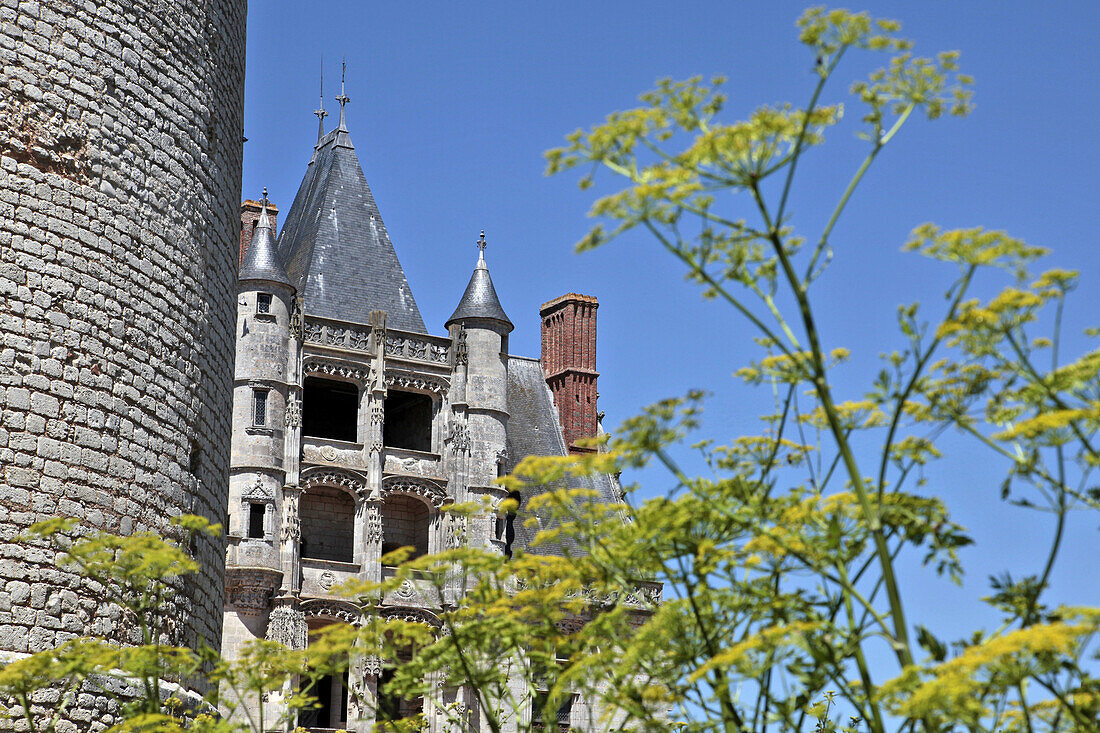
(321, 113)
(343, 99)
(480, 299)
(262, 261)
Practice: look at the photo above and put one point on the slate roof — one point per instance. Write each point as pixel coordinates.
(534, 430)
(336, 248)
(480, 299)
(261, 259)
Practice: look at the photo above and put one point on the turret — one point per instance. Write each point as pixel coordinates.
(265, 301)
(480, 327)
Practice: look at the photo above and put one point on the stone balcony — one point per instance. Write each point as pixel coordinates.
(252, 553)
(326, 451)
(413, 462)
(417, 592)
(319, 577)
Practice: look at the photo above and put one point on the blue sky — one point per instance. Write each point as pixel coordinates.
(453, 105)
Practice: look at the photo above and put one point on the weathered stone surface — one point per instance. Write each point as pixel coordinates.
(120, 169)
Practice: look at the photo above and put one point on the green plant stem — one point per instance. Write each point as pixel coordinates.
(879, 143)
(900, 640)
(861, 661)
(918, 369)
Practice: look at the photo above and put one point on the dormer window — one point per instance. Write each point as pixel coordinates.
(263, 303)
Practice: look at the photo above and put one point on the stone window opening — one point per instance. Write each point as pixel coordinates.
(257, 514)
(263, 303)
(406, 522)
(327, 518)
(407, 421)
(562, 717)
(259, 407)
(330, 409)
(499, 526)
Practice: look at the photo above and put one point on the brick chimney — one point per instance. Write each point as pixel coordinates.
(569, 363)
(250, 214)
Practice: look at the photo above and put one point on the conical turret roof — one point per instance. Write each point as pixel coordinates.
(480, 299)
(262, 261)
(336, 248)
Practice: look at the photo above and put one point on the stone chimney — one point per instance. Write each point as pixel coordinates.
(250, 214)
(569, 363)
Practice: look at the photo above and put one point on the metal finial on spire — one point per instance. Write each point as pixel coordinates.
(321, 113)
(265, 196)
(343, 98)
(481, 243)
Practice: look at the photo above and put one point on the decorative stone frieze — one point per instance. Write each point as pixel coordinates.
(398, 461)
(411, 614)
(316, 365)
(324, 476)
(421, 488)
(332, 609)
(423, 382)
(322, 453)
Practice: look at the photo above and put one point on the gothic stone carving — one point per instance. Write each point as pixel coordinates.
(374, 525)
(287, 626)
(316, 365)
(462, 351)
(292, 523)
(411, 464)
(409, 347)
(249, 589)
(332, 454)
(259, 493)
(416, 487)
(405, 380)
(297, 319)
(459, 438)
(332, 609)
(414, 615)
(454, 531)
(294, 412)
(322, 476)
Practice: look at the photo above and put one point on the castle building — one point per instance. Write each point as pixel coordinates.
(353, 426)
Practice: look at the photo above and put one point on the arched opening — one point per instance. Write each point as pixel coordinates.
(331, 692)
(328, 524)
(405, 523)
(330, 409)
(392, 708)
(407, 421)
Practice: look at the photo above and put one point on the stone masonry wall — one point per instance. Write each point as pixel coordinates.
(120, 171)
(328, 524)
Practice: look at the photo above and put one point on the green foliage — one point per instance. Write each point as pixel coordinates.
(136, 573)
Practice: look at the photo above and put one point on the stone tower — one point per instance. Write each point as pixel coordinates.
(120, 170)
